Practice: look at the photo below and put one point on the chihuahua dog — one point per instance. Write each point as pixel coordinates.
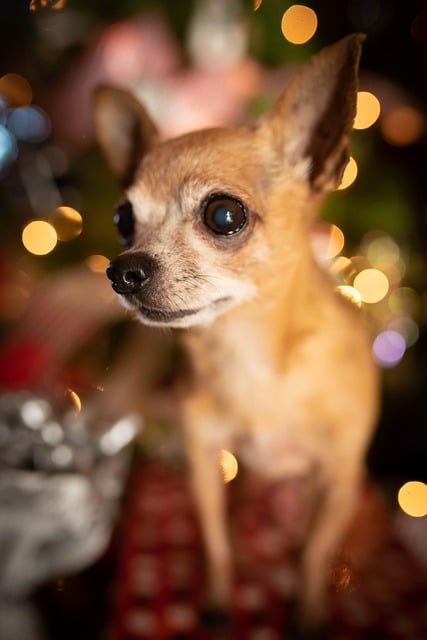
(216, 226)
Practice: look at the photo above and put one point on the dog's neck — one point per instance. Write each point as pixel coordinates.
(260, 332)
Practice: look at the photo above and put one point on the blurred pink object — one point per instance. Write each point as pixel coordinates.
(120, 55)
(143, 55)
(196, 98)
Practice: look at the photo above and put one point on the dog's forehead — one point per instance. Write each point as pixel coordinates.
(207, 148)
(213, 159)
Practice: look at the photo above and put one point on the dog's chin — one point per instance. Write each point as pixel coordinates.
(180, 318)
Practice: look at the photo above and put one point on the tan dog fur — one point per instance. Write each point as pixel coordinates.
(280, 368)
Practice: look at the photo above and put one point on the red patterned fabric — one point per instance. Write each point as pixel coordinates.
(378, 589)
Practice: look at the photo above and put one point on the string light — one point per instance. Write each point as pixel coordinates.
(412, 498)
(367, 110)
(39, 237)
(299, 24)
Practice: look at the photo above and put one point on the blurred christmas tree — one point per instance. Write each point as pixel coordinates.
(207, 62)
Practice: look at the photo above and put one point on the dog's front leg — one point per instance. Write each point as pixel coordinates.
(337, 504)
(207, 486)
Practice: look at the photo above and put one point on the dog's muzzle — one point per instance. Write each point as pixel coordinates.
(130, 272)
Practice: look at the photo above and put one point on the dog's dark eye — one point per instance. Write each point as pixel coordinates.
(124, 221)
(224, 215)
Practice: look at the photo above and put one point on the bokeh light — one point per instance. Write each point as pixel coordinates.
(327, 241)
(381, 248)
(67, 222)
(75, 400)
(36, 5)
(388, 348)
(299, 24)
(407, 327)
(35, 412)
(350, 293)
(372, 284)
(403, 125)
(404, 301)
(112, 441)
(257, 4)
(39, 237)
(412, 498)
(8, 148)
(342, 266)
(30, 124)
(16, 90)
(229, 465)
(350, 174)
(367, 111)
(62, 456)
(97, 263)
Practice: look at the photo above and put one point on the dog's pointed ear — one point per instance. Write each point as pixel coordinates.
(312, 120)
(123, 129)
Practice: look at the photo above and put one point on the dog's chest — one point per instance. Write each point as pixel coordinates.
(262, 415)
(274, 453)
(263, 407)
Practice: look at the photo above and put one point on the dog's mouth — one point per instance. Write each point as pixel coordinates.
(166, 316)
(163, 315)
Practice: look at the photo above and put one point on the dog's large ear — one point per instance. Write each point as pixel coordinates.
(313, 118)
(123, 129)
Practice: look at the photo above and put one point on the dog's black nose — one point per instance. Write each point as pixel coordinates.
(130, 272)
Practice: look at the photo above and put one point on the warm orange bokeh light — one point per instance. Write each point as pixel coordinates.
(372, 284)
(327, 240)
(368, 110)
(16, 90)
(404, 125)
(412, 498)
(299, 24)
(349, 175)
(35, 5)
(97, 263)
(67, 222)
(39, 237)
(229, 465)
